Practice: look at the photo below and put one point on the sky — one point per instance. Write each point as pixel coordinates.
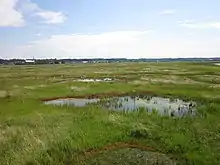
(109, 29)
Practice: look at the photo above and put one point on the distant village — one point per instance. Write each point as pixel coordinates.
(84, 61)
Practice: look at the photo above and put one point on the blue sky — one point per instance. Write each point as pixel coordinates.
(109, 28)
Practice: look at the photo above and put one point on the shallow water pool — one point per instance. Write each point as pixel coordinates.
(164, 106)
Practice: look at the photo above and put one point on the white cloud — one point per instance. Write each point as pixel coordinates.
(9, 16)
(119, 44)
(28, 7)
(168, 12)
(13, 12)
(52, 17)
(49, 17)
(189, 33)
(199, 25)
(186, 21)
(215, 25)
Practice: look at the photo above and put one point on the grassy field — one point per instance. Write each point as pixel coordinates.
(33, 133)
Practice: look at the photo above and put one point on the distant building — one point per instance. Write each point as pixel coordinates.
(19, 62)
(28, 61)
(85, 62)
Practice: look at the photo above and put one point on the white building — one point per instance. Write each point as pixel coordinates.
(30, 61)
(85, 62)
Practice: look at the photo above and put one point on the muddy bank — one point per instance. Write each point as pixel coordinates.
(118, 145)
(101, 95)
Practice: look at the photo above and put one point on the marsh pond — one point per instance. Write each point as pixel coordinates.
(164, 106)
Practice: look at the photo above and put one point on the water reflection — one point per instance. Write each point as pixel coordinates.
(164, 106)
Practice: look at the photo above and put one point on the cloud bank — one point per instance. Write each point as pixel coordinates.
(119, 44)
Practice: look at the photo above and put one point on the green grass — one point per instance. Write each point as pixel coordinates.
(34, 133)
